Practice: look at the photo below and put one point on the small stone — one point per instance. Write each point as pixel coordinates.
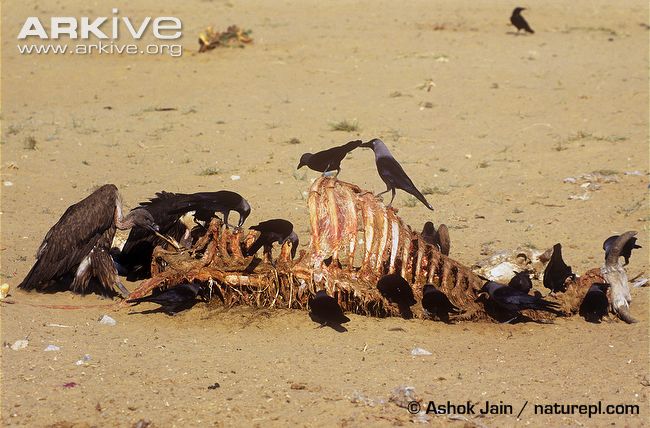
(420, 351)
(51, 348)
(106, 320)
(20, 344)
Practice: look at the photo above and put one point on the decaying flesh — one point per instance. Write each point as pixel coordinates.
(354, 241)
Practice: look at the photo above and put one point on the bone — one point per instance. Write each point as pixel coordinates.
(389, 244)
(616, 277)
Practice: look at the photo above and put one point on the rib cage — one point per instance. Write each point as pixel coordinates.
(354, 241)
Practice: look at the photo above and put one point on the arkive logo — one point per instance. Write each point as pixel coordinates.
(162, 27)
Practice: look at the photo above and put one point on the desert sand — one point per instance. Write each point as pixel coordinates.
(489, 122)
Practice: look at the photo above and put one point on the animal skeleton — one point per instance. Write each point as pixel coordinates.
(355, 240)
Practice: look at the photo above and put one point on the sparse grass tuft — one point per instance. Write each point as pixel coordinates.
(30, 143)
(210, 171)
(411, 202)
(345, 125)
(434, 191)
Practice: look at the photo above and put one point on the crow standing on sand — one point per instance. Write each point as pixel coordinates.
(392, 173)
(626, 252)
(595, 304)
(397, 290)
(438, 238)
(519, 21)
(328, 160)
(436, 303)
(275, 230)
(557, 271)
(175, 299)
(521, 281)
(513, 300)
(326, 311)
(79, 244)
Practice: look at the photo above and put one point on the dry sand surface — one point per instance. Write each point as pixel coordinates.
(491, 123)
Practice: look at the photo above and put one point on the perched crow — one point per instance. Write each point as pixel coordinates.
(397, 290)
(513, 300)
(175, 299)
(521, 281)
(557, 271)
(275, 230)
(436, 304)
(429, 233)
(519, 21)
(328, 160)
(626, 252)
(79, 245)
(392, 173)
(439, 238)
(595, 304)
(171, 211)
(326, 311)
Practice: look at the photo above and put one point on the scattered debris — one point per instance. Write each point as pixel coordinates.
(298, 386)
(142, 423)
(500, 266)
(420, 351)
(51, 348)
(7, 183)
(232, 37)
(57, 325)
(358, 397)
(640, 282)
(214, 386)
(106, 320)
(70, 385)
(20, 344)
(403, 395)
(84, 360)
(235, 177)
(4, 291)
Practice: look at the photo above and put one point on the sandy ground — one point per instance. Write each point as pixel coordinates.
(489, 122)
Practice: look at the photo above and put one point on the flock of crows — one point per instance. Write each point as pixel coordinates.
(78, 247)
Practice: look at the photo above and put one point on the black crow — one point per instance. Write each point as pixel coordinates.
(397, 290)
(521, 281)
(275, 230)
(79, 244)
(513, 300)
(557, 271)
(429, 233)
(626, 252)
(437, 304)
(176, 214)
(328, 160)
(175, 299)
(326, 311)
(438, 238)
(519, 21)
(392, 173)
(595, 304)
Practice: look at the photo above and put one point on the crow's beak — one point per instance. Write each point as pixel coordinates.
(300, 165)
